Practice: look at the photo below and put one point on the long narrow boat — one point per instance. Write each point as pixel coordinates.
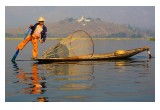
(118, 54)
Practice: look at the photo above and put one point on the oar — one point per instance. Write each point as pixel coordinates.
(16, 53)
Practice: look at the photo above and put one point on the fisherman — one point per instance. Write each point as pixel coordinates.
(39, 30)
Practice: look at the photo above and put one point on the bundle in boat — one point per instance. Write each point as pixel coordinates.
(75, 45)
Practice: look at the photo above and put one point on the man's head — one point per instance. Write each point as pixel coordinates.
(41, 20)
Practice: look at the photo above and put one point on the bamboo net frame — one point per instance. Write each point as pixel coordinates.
(76, 44)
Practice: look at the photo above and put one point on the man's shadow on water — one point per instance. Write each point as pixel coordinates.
(37, 85)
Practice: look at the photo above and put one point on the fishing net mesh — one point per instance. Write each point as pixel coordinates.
(76, 44)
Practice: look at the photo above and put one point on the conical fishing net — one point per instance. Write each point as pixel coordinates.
(76, 44)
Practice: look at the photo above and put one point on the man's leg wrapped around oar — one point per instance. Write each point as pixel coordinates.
(34, 40)
(16, 53)
(22, 44)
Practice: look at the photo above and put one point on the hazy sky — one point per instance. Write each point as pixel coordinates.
(141, 16)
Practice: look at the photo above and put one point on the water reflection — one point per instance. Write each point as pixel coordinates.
(74, 76)
(35, 86)
(42, 99)
(79, 75)
(127, 65)
(132, 63)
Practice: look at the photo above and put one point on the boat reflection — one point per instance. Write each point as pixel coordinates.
(122, 65)
(79, 75)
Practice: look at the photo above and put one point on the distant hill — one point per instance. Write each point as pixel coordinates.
(96, 28)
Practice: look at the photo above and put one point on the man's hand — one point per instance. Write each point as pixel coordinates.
(42, 41)
(31, 25)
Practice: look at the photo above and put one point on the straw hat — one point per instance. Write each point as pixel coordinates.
(41, 19)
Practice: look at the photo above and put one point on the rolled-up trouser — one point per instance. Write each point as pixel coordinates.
(34, 40)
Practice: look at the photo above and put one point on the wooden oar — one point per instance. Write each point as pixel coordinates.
(16, 53)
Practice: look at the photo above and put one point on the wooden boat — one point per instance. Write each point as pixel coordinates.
(118, 54)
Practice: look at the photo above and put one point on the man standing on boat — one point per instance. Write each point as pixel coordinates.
(39, 30)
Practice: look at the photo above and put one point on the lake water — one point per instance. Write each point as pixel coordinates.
(131, 80)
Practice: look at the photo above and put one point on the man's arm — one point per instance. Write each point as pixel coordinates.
(44, 34)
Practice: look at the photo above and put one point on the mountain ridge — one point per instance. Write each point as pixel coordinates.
(96, 28)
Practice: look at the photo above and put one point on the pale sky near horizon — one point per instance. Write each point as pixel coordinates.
(140, 16)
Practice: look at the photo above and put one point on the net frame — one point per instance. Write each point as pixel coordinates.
(68, 40)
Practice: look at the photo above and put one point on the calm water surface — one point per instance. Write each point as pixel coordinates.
(83, 81)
